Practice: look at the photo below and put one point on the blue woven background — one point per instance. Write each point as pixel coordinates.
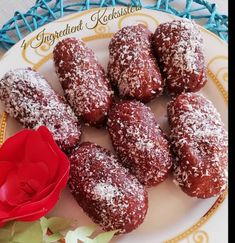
(45, 11)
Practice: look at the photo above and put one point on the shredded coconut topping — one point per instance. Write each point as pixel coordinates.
(29, 98)
(179, 47)
(139, 141)
(132, 66)
(105, 190)
(200, 143)
(84, 81)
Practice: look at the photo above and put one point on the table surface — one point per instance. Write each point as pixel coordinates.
(8, 7)
(217, 231)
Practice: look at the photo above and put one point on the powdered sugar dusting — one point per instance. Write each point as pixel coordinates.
(29, 98)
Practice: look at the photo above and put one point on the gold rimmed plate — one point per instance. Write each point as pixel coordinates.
(172, 215)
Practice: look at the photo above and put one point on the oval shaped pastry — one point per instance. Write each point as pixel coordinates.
(106, 191)
(139, 142)
(29, 99)
(83, 79)
(200, 143)
(179, 49)
(132, 67)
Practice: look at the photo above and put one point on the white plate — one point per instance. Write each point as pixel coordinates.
(171, 212)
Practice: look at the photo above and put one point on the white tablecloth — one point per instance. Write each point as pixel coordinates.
(218, 225)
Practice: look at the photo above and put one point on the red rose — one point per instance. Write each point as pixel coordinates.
(33, 171)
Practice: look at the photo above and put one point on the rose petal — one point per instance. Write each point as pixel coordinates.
(42, 152)
(46, 203)
(44, 193)
(5, 168)
(42, 202)
(35, 148)
(39, 196)
(4, 210)
(47, 137)
(37, 172)
(11, 192)
(14, 143)
(31, 216)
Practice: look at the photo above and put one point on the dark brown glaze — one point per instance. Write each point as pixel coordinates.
(132, 67)
(29, 99)
(84, 81)
(106, 191)
(179, 49)
(200, 143)
(139, 142)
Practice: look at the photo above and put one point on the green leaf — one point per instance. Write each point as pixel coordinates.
(19, 226)
(83, 233)
(44, 225)
(56, 224)
(53, 238)
(26, 231)
(104, 237)
(9, 225)
(80, 233)
(5, 234)
(6, 241)
(71, 237)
